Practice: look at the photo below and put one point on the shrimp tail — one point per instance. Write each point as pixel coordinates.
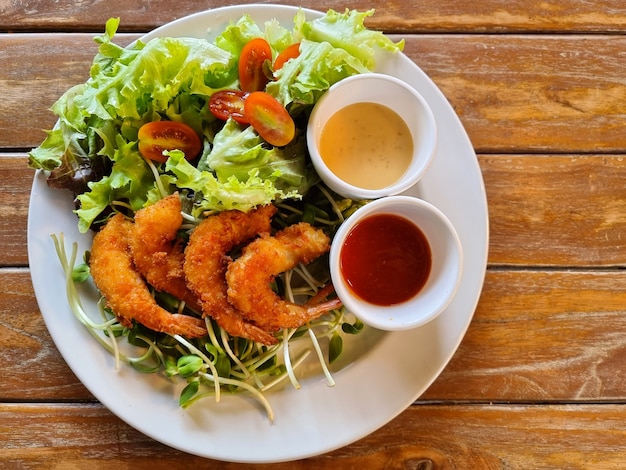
(323, 294)
(323, 307)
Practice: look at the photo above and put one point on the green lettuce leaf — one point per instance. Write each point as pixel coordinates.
(347, 31)
(130, 181)
(304, 79)
(239, 150)
(144, 78)
(332, 48)
(237, 34)
(92, 150)
(167, 78)
(212, 194)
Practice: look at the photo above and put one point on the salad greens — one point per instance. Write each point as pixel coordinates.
(93, 149)
(93, 152)
(219, 363)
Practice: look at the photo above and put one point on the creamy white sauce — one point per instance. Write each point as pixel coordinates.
(367, 145)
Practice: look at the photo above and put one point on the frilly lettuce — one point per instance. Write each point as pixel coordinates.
(237, 34)
(165, 78)
(93, 148)
(237, 151)
(130, 180)
(347, 31)
(303, 80)
(332, 47)
(218, 195)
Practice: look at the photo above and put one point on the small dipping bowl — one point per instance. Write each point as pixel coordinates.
(375, 264)
(374, 149)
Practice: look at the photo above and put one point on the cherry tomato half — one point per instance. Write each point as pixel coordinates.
(228, 103)
(290, 52)
(157, 136)
(253, 55)
(269, 118)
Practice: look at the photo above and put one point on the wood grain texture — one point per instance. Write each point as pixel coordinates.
(16, 180)
(423, 437)
(424, 16)
(514, 94)
(519, 94)
(32, 368)
(542, 336)
(556, 210)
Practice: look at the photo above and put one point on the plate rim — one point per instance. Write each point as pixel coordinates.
(233, 13)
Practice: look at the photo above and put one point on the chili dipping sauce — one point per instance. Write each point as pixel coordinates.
(386, 259)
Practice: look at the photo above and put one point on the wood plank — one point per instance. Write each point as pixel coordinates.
(556, 210)
(519, 94)
(542, 336)
(424, 436)
(16, 180)
(536, 336)
(514, 94)
(32, 367)
(426, 15)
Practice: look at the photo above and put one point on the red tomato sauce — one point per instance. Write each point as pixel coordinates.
(385, 259)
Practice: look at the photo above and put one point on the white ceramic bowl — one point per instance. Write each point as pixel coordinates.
(392, 93)
(445, 272)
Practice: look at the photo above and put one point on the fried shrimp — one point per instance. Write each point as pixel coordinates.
(125, 290)
(249, 277)
(157, 253)
(206, 261)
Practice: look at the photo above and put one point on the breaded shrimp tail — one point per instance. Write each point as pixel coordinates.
(125, 290)
(157, 254)
(249, 277)
(206, 260)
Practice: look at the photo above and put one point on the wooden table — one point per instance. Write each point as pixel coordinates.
(539, 381)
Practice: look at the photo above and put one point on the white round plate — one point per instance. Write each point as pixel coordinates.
(378, 376)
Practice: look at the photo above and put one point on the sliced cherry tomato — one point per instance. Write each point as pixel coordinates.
(228, 103)
(290, 52)
(252, 75)
(269, 118)
(157, 136)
